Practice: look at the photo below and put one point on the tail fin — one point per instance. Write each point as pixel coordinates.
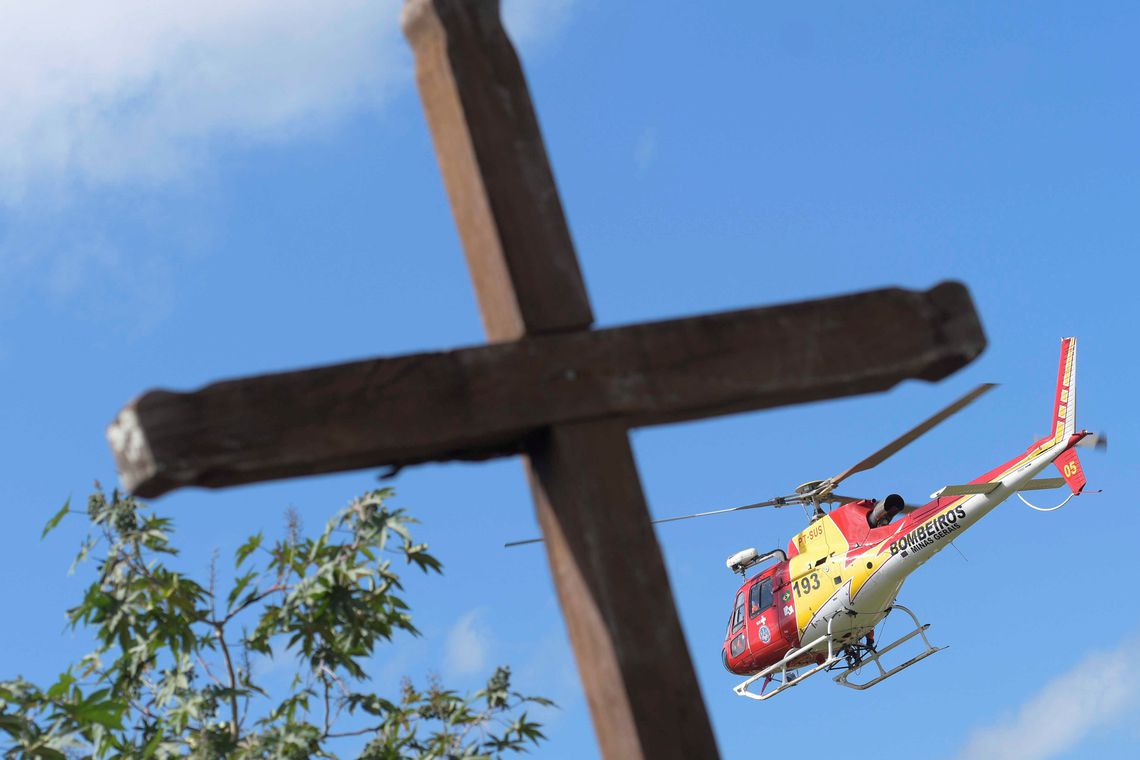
(1071, 470)
(1065, 415)
(1064, 421)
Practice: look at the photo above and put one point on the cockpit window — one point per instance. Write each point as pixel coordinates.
(738, 612)
(760, 597)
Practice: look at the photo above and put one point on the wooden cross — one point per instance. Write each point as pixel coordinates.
(547, 387)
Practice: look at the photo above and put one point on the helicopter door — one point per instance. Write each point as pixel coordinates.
(786, 605)
(763, 625)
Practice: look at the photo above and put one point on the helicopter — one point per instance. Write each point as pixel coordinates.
(817, 607)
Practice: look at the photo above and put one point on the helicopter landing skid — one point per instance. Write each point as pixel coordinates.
(876, 655)
(788, 677)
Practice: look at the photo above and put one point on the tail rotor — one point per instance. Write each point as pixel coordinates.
(1095, 441)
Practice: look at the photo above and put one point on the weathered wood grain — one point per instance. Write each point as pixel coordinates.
(485, 401)
(494, 165)
(643, 693)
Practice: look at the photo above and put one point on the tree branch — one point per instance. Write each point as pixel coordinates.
(250, 602)
(357, 732)
(210, 673)
(219, 628)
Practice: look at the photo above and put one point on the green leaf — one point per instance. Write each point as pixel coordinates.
(248, 548)
(12, 724)
(62, 687)
(239, 587)
(55, 520)
(84, 549)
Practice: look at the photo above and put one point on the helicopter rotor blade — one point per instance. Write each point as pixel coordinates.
(820, 492)
(909, 437)
(524, 542)
(779, 501)
(843, 499)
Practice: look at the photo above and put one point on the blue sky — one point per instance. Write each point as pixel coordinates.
(196, 192)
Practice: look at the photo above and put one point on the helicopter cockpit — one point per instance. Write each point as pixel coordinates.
(758, 622)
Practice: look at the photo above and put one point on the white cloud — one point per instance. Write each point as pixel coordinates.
(468, 644)
(130, 91)
(100, 92)
(140, 97)
(1097, 693)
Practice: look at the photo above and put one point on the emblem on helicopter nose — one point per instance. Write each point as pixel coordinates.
(765, 632)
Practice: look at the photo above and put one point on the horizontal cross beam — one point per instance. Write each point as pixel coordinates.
(486, 401)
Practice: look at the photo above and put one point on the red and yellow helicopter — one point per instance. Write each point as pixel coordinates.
(816, 608)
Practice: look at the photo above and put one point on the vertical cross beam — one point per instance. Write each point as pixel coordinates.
(611, 580)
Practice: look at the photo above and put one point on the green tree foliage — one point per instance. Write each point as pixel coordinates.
(176, 669)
